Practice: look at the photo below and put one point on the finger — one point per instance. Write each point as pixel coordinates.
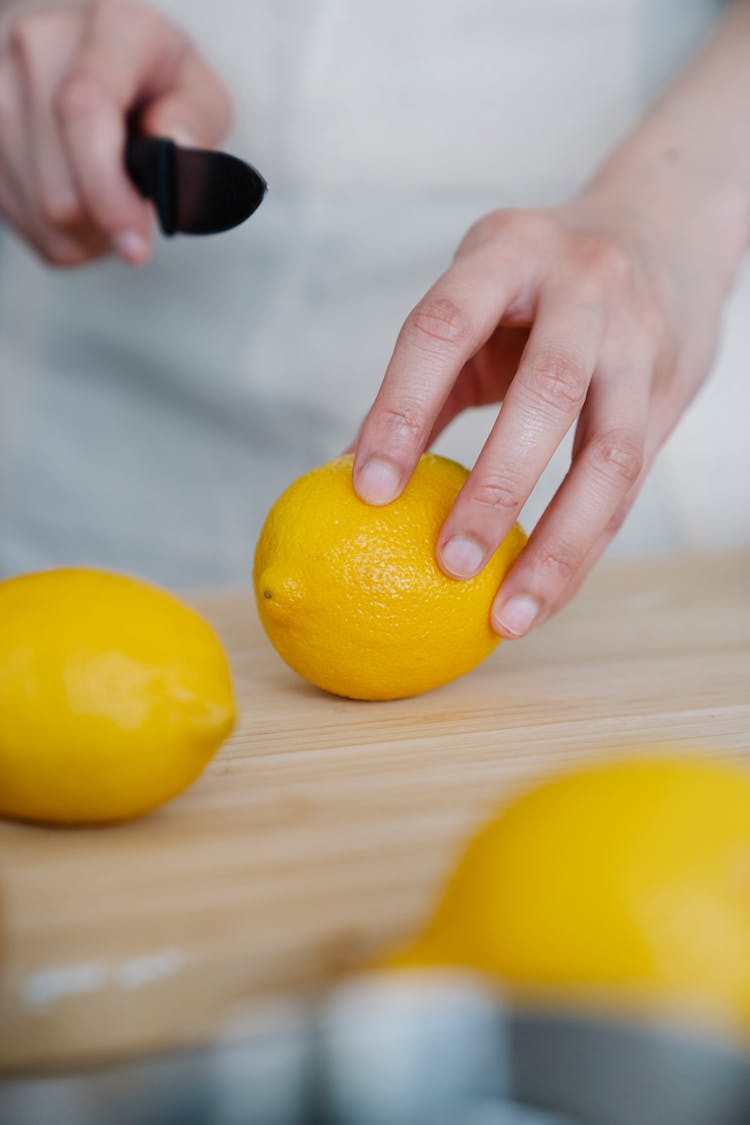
(601, 544)
(47, 210)
(12, 145)
(482, 381)
(18, 203)
(56, 247)
(196, 112)
(607, 467)
(129, 53)
(486, 377)
(42, 46)
(658, 432)
(443, 332)
(544, 399)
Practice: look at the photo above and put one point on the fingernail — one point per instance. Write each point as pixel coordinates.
(378, 482)
(462, 556)
(517, 615)
(131, 246)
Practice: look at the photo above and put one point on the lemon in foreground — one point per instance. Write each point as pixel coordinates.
(630, 880)
(351, 596)
(113, 696)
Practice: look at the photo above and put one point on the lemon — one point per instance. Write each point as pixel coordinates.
(628, 880)
(113, 696)
(351, 596)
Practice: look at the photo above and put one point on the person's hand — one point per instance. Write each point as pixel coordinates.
(603, 313)
(69, 77)
(579, 315)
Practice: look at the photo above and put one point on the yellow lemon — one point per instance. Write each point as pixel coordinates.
(351, 595)
(113, 696)
(630, 879)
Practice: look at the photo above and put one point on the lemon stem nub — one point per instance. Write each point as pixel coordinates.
(267, 594)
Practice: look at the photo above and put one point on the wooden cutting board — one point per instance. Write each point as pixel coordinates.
(322, 830)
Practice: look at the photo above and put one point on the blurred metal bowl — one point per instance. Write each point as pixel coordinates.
(410, 1049)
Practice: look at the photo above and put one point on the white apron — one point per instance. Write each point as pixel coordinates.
(148, 418)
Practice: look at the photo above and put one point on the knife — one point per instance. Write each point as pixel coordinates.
(195, 191)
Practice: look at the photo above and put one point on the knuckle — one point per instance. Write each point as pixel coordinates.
(438, 320)
(606, 260)
(63, 255)
(497, 495)
(71, 257)
(561, 561)
(493, 225)
(558, 378)
(78, 95)
(406, 421)
(653, 324)
(619, 454)
(536, 227)
(510, 223)
(60, 210)
(617, 519)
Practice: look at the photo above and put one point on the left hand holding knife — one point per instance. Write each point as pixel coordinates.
(71, 77)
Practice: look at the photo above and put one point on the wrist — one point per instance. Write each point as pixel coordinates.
(687, 221)
(682, 176)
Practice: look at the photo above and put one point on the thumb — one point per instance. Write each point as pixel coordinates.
(196, 111)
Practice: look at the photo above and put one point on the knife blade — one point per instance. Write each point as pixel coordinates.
(195, 191)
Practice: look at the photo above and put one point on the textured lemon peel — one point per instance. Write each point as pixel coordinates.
(125, 696)
(373, 615)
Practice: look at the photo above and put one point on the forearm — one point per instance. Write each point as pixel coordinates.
(684, 172)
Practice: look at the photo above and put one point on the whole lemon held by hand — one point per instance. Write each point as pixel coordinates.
(629, 880)
(351, 596)
(113, 696)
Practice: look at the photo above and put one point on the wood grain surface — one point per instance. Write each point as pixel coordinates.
(322, 830)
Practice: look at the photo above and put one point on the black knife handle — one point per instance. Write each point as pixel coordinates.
(150, 163)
